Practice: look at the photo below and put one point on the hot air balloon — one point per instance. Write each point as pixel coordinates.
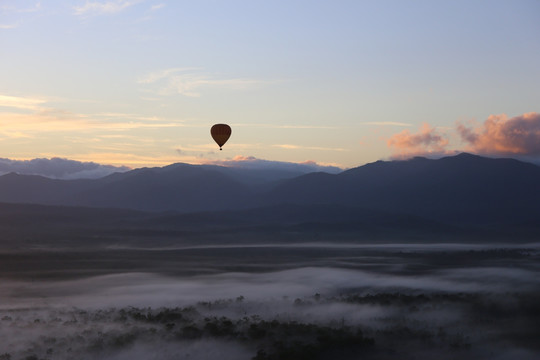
(220, 134)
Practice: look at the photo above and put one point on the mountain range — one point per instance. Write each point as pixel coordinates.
(458, 191)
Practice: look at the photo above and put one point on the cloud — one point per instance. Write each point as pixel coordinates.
(157, 6)
(32, 116)
(190, 81)
(386, 123)
(300, 147)
(18, 12)
(427, 141)
(28, 125)
(499, 135)
(103, 7)
(163, 74)
(6, 9)
(58, 168)
(18, 102)
(517, 137)
(282, 126)
(250, 162)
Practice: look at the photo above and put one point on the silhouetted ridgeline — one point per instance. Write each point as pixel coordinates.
(462, 189)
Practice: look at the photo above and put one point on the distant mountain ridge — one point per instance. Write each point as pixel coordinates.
(459, 189)
(462, 188)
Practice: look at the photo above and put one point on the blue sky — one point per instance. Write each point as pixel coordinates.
(139, 83)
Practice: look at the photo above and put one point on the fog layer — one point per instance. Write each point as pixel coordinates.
(389, 302)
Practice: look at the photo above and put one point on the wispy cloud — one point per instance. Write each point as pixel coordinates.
(278, 126)
(164, 74)
(190, 82)
(5, 8)
(386, 123)
(32, 116)
(302, 147)
(21, 102)
(157, 7)
(58, 121)
(499, 135)
(103, 7)
(208, 149)
(127, 157)
(105, 137)
(16, 13)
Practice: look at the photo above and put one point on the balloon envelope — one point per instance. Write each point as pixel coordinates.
(220, 133)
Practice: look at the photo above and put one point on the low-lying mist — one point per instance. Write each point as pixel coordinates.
(371, 302)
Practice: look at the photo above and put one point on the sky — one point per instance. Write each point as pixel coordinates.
(140, 82)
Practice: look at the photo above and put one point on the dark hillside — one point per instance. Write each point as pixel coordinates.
(464, 188)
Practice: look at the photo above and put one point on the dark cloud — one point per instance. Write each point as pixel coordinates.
(58, 168)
